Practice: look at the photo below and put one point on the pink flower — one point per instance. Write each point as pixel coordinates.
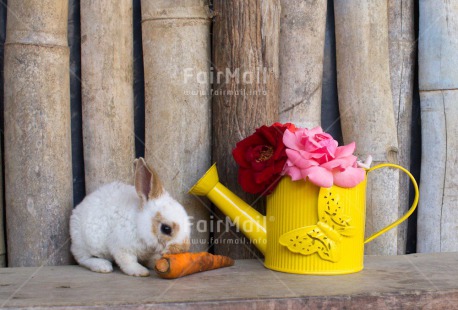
(315, 155)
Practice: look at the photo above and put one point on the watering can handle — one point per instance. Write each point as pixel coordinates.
(412, 208)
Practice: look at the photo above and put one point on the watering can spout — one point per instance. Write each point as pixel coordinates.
(248, 220)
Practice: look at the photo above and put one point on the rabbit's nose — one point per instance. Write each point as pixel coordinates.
(179, 247)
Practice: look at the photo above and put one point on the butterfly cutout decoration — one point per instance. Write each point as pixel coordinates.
(324, 237)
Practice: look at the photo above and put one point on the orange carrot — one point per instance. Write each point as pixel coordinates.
(172, 266)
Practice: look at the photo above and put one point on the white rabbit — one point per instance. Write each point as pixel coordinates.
(128, 225)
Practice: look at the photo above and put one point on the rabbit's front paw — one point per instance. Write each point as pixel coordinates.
(151, 262)
(129, 265)
(135, 270)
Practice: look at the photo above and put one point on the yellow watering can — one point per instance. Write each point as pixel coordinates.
(307, 229)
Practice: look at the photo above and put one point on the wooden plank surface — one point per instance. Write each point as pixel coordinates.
(416, 281)
(437, 45)
(438, 83)
(449, 223)
(433, 161)
(437, 214)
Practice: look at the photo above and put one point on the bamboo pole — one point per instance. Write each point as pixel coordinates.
(402, 67)
(38, 175)
(366, 107)
(437, 219)
(245, 40)
(176, 51)
(429, 218)
(449, 215)
(302, 32)
(107, 91)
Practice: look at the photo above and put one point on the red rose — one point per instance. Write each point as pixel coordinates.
(261, 158)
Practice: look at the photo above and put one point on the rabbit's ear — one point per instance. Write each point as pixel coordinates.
(147, 183)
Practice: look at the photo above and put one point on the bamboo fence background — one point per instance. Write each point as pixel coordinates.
(106, 83)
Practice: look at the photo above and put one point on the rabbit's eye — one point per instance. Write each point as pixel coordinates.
(166, 229)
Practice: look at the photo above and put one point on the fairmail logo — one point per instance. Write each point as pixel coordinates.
(237, 76)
